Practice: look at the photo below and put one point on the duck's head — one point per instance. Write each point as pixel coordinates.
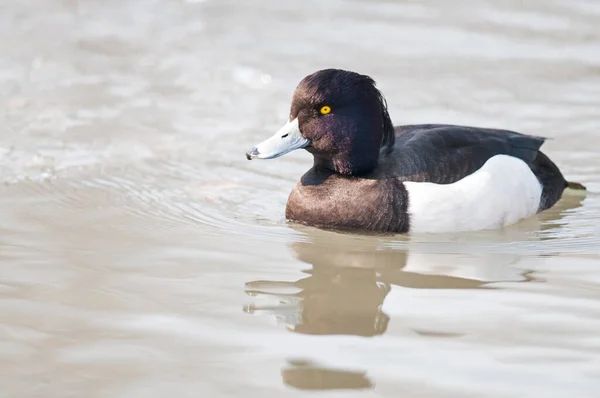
(338, 116)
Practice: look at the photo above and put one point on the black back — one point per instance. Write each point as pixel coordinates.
(444, 154)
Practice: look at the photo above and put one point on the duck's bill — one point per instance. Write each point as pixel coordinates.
(287, 139)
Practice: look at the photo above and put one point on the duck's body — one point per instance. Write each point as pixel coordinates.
(425, 178)
(439, 178)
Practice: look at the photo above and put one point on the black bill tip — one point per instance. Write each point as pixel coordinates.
(252, 153)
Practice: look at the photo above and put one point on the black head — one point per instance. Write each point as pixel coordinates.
(345, 118)
(338, 116)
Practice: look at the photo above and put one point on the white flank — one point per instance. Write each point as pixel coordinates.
(503, 191)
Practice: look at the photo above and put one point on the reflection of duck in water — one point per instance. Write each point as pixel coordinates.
(350, 276)
(332, 299)
(306, 375)
(346, 287)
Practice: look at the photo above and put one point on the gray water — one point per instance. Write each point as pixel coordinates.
(141, 255)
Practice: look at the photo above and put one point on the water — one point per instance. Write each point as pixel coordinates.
(141, 255)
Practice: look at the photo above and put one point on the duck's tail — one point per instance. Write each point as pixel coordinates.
(576, 186)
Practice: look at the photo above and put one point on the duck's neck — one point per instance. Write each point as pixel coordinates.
(347, 165)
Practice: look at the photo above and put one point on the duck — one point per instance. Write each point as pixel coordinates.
(369, 175)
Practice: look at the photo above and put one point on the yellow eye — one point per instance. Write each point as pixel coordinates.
(325, 110)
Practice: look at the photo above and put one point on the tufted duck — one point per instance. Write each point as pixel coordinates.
(369, 175)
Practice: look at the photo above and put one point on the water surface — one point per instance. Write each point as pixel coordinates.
(141, 255)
